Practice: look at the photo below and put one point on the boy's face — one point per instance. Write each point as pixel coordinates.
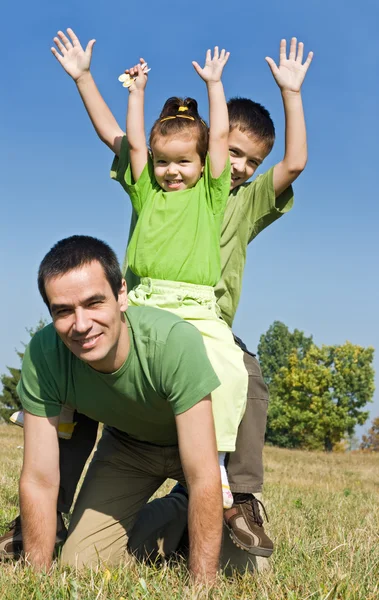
(246, 154)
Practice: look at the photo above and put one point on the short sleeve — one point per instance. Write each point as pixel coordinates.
(37, 388)
(121, 171)
(187, 376)
(260, 206)
(217, 189)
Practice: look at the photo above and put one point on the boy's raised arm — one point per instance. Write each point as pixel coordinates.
(218, 112)
(290, 76)
(76, 62)
(135, 120)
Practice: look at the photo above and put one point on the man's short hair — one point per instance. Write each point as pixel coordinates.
(75, 252)
(253, 119)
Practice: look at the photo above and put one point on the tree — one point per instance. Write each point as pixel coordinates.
(371, 441)
(9, 400)
(276, 345)
(318, 398)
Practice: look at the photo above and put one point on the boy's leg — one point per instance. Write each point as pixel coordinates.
(160, 530)
(245, 466)
(73, 455)
(122, 476)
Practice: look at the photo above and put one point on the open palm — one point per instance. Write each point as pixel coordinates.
(214, 66)
(72, 57)
(291, 72)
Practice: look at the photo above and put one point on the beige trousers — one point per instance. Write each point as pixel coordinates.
(112, 517)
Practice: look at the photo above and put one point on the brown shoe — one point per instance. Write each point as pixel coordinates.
(11, 546)
(245, 525)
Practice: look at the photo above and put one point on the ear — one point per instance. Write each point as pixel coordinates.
(123, 296)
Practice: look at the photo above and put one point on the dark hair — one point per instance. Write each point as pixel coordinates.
(74, 252)
(251, 118)
(181, 121)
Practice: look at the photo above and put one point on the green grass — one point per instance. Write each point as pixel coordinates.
(324, 518)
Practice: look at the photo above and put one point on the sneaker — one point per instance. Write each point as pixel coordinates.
(245, 525)
(11, 546)
(66, 423)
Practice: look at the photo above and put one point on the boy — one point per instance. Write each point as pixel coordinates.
(251, 208)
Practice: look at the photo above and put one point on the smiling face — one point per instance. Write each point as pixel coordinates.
(88, 318)
(246, 154)
(177, 163)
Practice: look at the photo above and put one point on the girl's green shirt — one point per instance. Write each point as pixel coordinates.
(177, 236)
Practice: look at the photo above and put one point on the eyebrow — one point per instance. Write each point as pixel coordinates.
(94, 298)
(234, 147)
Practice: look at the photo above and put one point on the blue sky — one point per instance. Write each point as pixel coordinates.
(316, 269)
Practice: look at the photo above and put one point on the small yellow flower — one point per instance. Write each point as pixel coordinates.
(127, 81)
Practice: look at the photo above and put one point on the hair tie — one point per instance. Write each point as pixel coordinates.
(182, 108)
(179, 117)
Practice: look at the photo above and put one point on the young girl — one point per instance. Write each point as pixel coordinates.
(179, 193)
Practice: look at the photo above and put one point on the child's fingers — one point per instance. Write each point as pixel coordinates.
(292, 54)
(197, 67)
(56, 54)
(300, 51)
(226, 57)
(283, 51)
(215, 53)
(90, 46)
(65, 40)
(308, 61)
(59, 45)
(272, 65)
(74, 38)
(208, 56)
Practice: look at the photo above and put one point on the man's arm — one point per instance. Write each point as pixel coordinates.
(39, 485)
(76, 62)
(290, 76)
(198, 453)
(218, 111)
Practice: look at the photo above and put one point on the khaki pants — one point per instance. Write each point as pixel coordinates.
(123, 475)
(112, 519)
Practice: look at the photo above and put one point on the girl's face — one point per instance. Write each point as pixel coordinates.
(177, 164)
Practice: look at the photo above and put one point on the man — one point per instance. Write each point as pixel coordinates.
(132, 369)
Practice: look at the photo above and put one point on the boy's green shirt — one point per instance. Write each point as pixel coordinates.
(251, 207)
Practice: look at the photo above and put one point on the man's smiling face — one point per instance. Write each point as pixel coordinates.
(88, 318)
(246, 155)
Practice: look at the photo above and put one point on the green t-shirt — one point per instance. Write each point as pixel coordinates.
(250, 209)
(177, 235)
(166, 373)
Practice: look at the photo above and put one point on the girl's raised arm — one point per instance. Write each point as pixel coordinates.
(218, 111)
(135, 120)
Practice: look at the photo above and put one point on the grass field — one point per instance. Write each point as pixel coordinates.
(324, 518)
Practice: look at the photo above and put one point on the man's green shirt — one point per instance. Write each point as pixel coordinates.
(166, 373)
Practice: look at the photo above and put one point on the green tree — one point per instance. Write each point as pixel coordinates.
(275, 347)
(9, 401)
(318, 398)
(371, 441)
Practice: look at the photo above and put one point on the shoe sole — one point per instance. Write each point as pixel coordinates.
(254, 550)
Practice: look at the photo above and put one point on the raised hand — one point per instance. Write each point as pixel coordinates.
(72, 57)
(291, 72)
(138, 74)
(213, 67)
